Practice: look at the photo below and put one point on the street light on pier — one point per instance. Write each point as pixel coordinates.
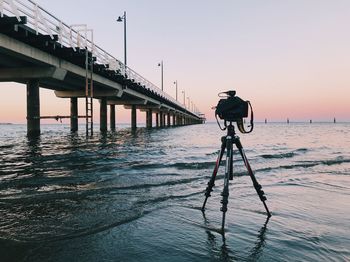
(184, 98)
(120, 19)
(175, 83)
(188, 102)
(161, 66)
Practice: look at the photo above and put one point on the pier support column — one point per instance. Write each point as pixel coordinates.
(149, 118)
(112, 117)
(33, 108)
(133, 117)
(157, 120)
(174, 120)
(168, 120)
(103, 114)
(161, 119)
(74, 114)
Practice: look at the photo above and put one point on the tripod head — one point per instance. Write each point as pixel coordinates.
(229, 126)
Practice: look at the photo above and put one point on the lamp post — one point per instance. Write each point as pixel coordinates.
(176, 88)
(188, 101)
(161, 66)
(184, 98)
(120, 19)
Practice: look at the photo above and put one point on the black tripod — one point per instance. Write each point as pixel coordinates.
(227, 142)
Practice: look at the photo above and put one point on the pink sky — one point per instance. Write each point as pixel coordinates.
(289, 58)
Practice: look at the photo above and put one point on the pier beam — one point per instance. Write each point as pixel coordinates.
(133, 117)
(103, 114)
(33, 108)
(74, 114)
(112, 117)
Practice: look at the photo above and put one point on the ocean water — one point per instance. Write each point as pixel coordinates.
(136, 196)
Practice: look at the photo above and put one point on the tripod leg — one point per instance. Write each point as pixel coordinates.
(256, 185)
(211, 182)
(228, 172)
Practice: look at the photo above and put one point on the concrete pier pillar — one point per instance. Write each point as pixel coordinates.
(157, 120)
(174, 120)
(103, 114)
(149, 118)
(133, 117)
(74, 114)
(168, 119)
(33, 108)
(161, 119)
(112, 117)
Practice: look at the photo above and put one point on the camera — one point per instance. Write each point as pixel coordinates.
(232, 108)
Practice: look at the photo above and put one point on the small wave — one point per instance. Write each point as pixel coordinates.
(194, 165)
(213, 153)
(180, 165)
(284, 155)
(302, 150)
(307, 164)
(78, 233)
(167, 183)
(330, 162)
(169, 197)
(6, 146)
(335, 162)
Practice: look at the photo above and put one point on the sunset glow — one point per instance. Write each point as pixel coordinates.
(289, 58)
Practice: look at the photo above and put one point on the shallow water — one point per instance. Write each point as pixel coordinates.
(136, 196)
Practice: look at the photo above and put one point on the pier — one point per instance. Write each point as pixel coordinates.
(41, 51)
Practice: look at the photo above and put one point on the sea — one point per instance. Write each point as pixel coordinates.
(137, 195)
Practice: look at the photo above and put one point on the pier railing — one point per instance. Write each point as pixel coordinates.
(75, 36)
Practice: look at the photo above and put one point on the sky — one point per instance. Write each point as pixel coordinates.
(290, 58)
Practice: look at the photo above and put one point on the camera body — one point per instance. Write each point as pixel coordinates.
(232, 108)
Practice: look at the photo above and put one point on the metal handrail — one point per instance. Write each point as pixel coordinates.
(44, 22)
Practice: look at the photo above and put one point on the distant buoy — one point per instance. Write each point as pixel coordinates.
(265, 120)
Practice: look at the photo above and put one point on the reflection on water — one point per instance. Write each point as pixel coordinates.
(260, 242)
(219, 248)
(132, 196)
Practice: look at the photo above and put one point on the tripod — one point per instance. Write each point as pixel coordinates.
(227, 143)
